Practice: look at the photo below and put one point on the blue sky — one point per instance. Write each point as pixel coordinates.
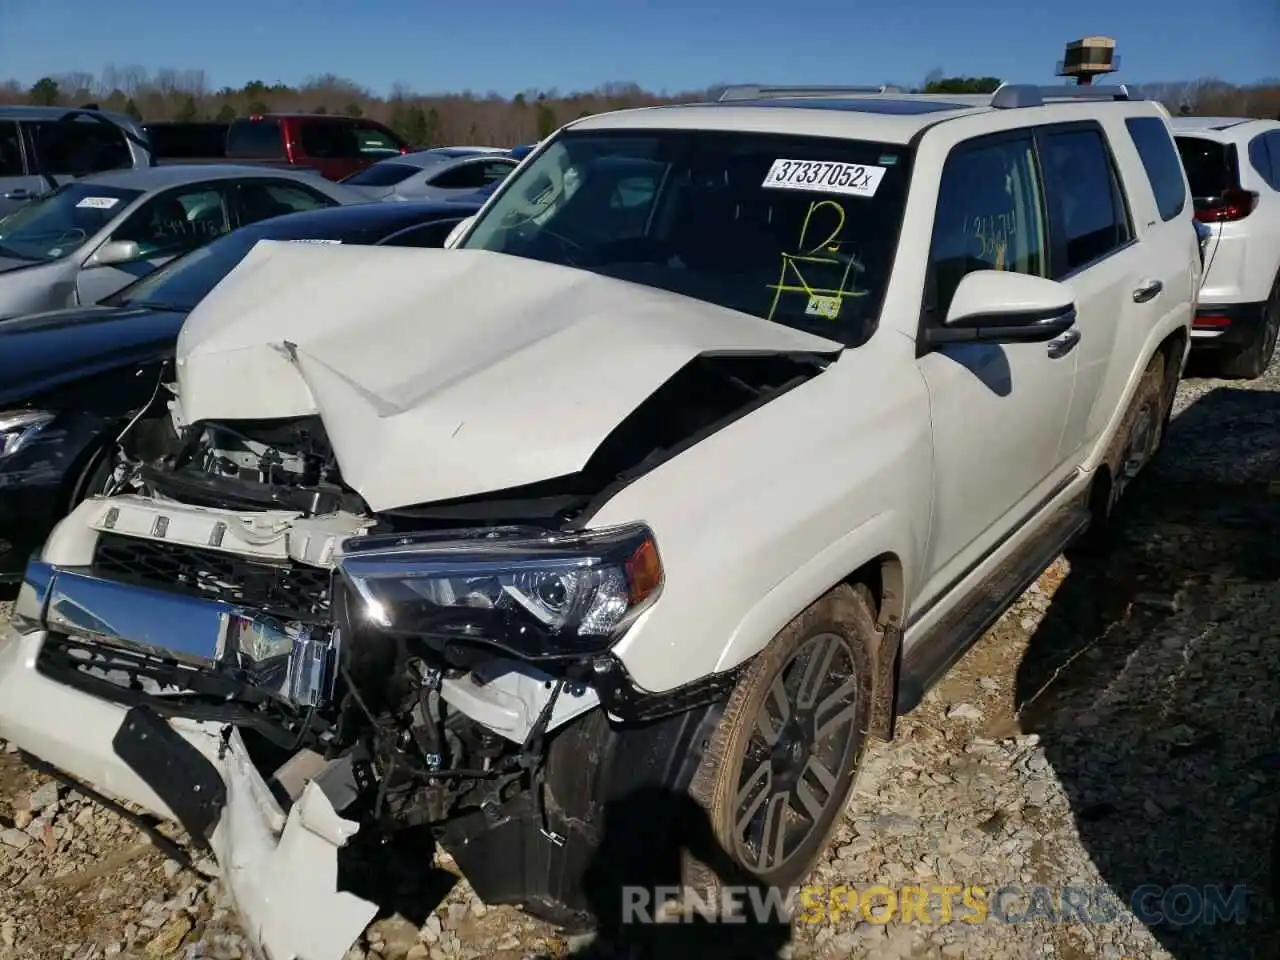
(510, 45)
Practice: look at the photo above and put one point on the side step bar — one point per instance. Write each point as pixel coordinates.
(934, 654)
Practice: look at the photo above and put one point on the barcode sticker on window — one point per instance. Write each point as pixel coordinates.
(99, 203)
(824, 176)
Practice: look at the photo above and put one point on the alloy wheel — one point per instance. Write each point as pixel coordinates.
(804, 736)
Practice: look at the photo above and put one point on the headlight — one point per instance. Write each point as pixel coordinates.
(536, 594)
(17, 427)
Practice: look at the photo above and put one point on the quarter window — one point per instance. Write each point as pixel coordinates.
(1160, 160)
(990, 216)
(1090, 206)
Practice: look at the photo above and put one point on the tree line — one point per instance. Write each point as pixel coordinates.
(468, 117)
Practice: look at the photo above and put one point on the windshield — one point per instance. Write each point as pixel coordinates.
(796, 230)
(60, 222)
(382, 174)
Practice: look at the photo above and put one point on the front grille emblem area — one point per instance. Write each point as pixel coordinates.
(160, 527)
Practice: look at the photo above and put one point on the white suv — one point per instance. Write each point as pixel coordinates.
(718, 437)
(1233, 164)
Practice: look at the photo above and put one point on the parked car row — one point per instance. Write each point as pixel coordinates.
(711, 440)
(42, 147)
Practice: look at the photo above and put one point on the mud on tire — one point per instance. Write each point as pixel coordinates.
(783, 760)
(1136, 442)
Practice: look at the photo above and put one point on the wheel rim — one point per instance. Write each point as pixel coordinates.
(1138, 449)
(803, 739)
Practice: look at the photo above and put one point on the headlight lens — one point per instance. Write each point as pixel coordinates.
(17, 427)
(534, 593)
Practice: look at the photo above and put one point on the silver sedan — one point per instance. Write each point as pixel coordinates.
(91, 237)
(442, 173)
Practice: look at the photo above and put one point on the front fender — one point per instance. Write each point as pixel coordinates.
(886, 534)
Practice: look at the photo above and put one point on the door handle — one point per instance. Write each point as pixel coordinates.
(19, 194)
(1149, 290)
(1060, 346)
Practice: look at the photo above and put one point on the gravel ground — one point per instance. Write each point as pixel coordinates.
(1114, 730)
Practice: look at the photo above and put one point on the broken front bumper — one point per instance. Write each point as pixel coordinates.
(280, 870)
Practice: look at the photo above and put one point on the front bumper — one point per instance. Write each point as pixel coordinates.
(279, 869)
(1222, 326)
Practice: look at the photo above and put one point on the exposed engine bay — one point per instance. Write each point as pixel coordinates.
(419, 663)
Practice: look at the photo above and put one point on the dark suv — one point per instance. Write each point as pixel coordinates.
(41, 147)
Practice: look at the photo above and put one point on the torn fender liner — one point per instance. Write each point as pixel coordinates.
(181, 775)
(284, 882)
(442, 374)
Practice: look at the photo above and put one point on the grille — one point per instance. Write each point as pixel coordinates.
(289, 591)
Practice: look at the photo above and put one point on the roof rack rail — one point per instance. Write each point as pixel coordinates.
(1012, 95)
(754, 91)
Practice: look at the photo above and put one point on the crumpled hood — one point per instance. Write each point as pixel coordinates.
(445, 373)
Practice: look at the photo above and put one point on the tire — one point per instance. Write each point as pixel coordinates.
(815, 771)
(1136, 442)
(1251, 361)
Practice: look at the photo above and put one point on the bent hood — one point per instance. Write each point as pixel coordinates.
(446, 373)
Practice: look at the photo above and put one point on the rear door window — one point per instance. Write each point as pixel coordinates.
(328, 140)
(1084, 189)
(1212, 167)
(1160, 160)
(256, 139)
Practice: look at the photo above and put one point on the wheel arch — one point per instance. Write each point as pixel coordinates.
(877, 555)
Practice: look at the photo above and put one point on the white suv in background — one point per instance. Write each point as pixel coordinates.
(717, 437)
(1233, 164)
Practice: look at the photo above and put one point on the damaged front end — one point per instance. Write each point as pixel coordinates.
(335, 679)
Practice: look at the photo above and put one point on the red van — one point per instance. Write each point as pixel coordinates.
(333, 146)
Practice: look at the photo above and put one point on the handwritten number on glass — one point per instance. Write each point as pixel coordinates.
(791, 278)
